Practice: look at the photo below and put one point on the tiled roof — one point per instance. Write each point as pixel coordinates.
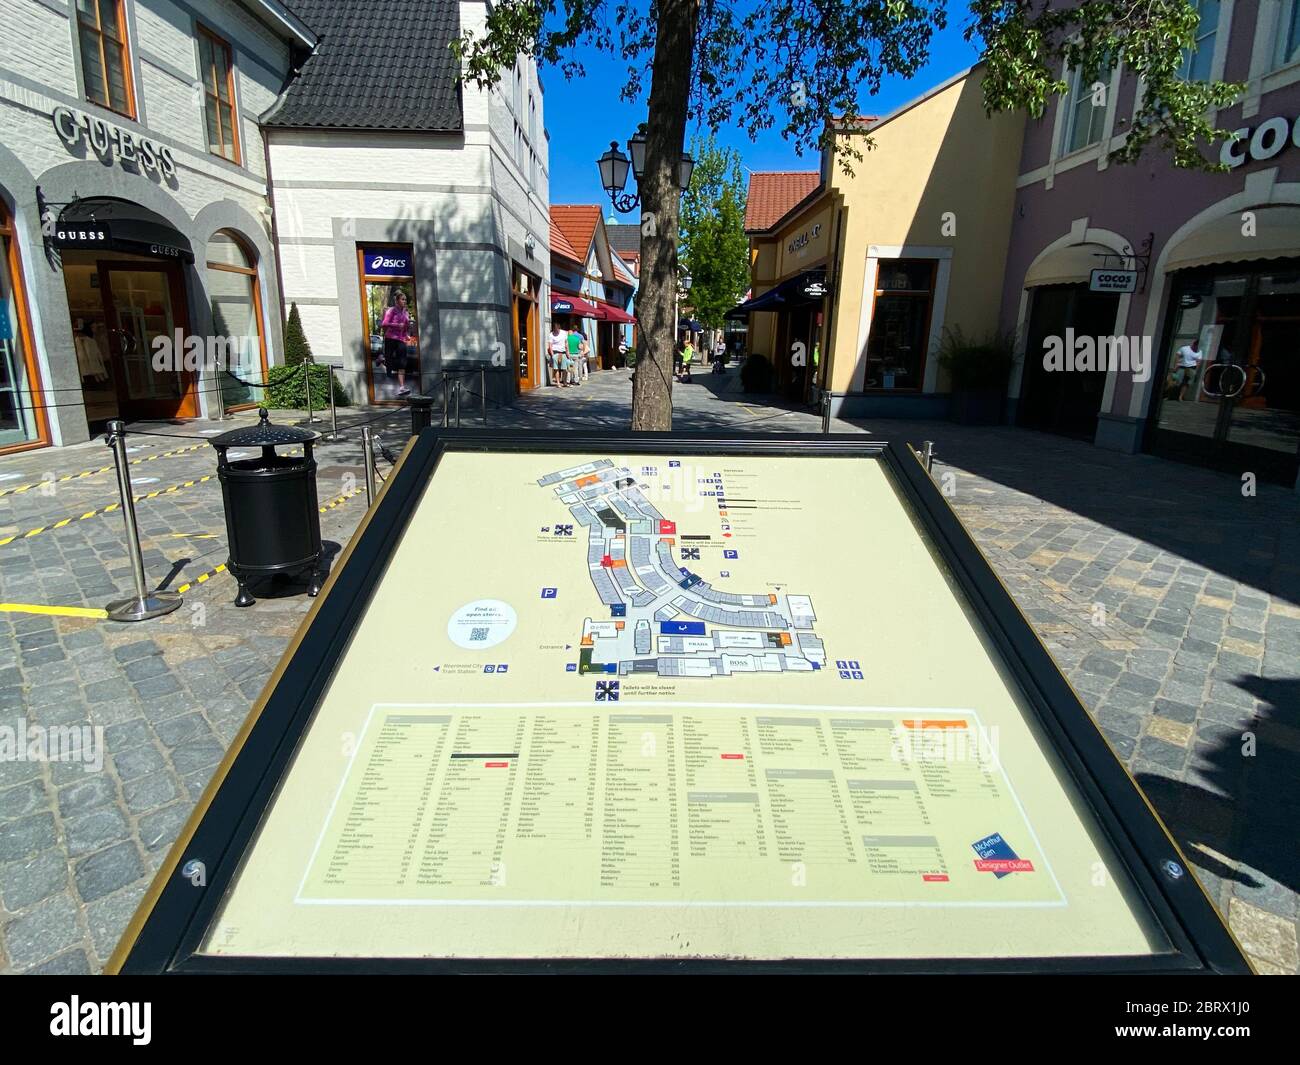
(773, 192)
(624, 238)
(560, 245)
(382, 64)
(578, 222)
(620, 276)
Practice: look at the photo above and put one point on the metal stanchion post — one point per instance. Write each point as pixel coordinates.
(444, 399)
(306, 379)
(457, 379)
(421, 413)
(826, 411)
(927, 456)
(334, 414)
(368, 457)
(482, 391)
(144, 604)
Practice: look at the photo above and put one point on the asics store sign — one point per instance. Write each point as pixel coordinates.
(388, 263)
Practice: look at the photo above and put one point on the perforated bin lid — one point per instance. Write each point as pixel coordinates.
(263, 434)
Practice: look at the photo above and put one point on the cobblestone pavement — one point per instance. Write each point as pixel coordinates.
(1199, 643)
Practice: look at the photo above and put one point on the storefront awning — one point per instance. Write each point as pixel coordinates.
(803, 289)
(118, 225)
(1275, 234)
(565, 303)
(610, 313)
(1066, 266)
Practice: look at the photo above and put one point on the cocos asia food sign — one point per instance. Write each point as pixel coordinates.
(1255, 144)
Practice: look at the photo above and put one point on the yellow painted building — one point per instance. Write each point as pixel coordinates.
(855, 283)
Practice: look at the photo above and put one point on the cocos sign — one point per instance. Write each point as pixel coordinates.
(1265, 141)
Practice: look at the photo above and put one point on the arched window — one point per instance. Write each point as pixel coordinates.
(236, 300)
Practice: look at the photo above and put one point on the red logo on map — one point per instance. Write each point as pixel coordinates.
(668, 528)
(496, 765)
(935, 878)
(741, 756)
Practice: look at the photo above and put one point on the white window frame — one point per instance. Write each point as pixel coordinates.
(1072, 103)
(1203, 34)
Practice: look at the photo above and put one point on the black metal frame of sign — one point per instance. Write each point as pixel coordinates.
(166, 933)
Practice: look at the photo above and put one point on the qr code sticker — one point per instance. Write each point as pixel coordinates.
(478, 635)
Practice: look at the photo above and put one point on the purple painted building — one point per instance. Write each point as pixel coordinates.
(1214, 261)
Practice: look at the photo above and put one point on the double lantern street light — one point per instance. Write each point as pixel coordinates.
(614, 167)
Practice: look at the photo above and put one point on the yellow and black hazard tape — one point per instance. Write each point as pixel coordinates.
(203, 578)
(103, 510)
(19, 489)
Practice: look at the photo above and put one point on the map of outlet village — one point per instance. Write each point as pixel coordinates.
(665, 618)
(603, 705)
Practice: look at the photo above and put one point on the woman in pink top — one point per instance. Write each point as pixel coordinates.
(395, 327)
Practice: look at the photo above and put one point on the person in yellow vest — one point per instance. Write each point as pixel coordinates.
(688, 354)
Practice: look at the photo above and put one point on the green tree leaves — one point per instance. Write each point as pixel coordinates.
(714, 248)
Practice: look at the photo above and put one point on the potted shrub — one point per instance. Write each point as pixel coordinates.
(978, 370)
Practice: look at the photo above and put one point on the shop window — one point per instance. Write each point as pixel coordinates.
(236, 302)
(900, 325)
(105, 56)
(392, 320)
(1198, 59)
(220, 120)
(22, 422)
(1288, 33)
(1085, 111)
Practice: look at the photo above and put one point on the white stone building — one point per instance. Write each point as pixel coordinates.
(133, 202)
(391, 177)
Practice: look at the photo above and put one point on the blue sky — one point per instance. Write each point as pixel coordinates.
(584, 115)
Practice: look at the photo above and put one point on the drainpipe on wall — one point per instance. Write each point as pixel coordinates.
(275, 243)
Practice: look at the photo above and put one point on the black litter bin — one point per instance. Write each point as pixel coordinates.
(272, 516)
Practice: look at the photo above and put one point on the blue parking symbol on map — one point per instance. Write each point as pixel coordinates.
(489, 669)
(503, 669)
(725, 573)
(844, 674)
(730, 554)
(673, 463)
(571, 667)
(548, 593)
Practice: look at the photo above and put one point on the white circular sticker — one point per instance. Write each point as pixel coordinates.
(482, 624)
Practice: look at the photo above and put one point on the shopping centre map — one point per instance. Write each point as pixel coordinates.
(608, 705)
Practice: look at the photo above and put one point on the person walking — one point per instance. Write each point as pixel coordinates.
(556, 345)
(576, 343)
(395, 327)
(1190, 357)
(688, 356)
(584, 355)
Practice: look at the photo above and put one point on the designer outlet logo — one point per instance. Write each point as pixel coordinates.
(134, 1019)
(179, 352)
(1084, 353)
(56, 743)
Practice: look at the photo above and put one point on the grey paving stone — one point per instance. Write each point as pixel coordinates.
(107, 871)
(27, 836)
(154, 687)
(22, 799)
(144, 668)
(82, 795)
(43, 932)
(127, 734)
(1175, 711)
(1166, 755)
(149, 793)
(183, 729)
(95, 830)
(138, 762)
(73, 963)
(159, 830)
(27, 882)
(139, 649)
(197, 755)
(1135, 683)
(108, 918)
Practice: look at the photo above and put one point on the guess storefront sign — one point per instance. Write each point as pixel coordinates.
(1254, 144)
(112, 142)
(84, 235)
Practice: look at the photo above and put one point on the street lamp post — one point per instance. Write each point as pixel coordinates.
(614, 167)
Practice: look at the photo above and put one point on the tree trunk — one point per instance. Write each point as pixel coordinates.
(670, 84)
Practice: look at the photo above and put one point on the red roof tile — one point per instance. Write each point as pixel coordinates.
(773, 192)
(577, 223)
(560, 245)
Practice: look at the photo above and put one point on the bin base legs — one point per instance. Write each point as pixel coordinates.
(244, 598)
(317, 579)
